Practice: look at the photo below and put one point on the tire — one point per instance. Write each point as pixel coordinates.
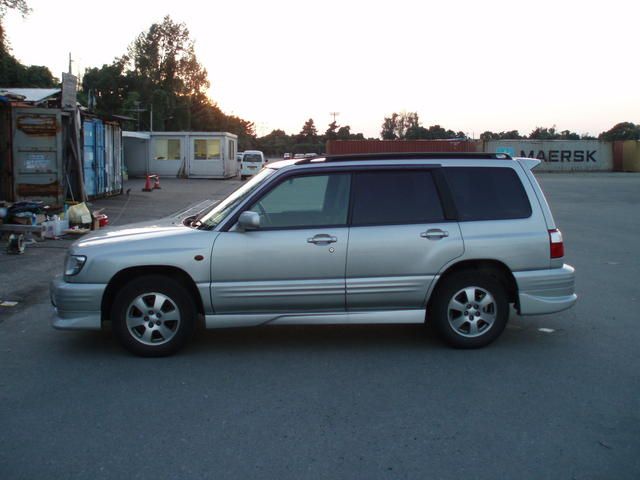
(469, 309)
(153, 316)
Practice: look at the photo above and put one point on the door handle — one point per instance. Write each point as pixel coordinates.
(322, 239)
(434, 234)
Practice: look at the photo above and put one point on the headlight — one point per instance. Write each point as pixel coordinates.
(74, 264)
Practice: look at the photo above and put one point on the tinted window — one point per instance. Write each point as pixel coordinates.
(388, 197)
(306, 201)
(488, 193)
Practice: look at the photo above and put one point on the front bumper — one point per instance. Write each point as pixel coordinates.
(76, 305)
(546, 291)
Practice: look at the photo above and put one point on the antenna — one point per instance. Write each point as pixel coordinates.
(334, 115)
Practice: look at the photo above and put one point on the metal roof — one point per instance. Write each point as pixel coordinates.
(30, 94)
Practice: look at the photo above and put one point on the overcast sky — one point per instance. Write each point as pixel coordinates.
(466, 65)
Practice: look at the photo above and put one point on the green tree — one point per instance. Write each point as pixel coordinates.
(330, 133)
(400, 126)
(621, 131)
(388, 131)
(544, 133)
(344, 133)
(12, 72)
(309, 133)
(6, 5)
(510, 135)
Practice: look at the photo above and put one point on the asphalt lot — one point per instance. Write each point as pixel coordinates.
(361, 402)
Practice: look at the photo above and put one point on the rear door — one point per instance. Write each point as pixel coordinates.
(399, 239)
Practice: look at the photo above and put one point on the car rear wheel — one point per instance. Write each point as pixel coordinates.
(470, 309)
(153, 316)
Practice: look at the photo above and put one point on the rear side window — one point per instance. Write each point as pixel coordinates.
(488, 193)
(395, 197)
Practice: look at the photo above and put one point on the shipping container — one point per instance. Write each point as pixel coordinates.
(37, 169)
(341, 147)
(559, 155)
(102, 157)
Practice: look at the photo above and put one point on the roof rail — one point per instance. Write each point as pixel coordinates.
(405, 156)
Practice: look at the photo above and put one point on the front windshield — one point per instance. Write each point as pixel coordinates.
(221, 210)
(252, 157)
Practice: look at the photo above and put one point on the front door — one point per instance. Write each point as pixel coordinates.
(295, 260)
(206, 158)
(399, 240)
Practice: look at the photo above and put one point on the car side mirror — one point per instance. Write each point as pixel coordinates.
(249, 220)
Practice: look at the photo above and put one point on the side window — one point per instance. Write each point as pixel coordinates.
(488, 193)
(306, 201)
(395, 197)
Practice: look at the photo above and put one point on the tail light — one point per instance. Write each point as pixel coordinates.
(556, 244)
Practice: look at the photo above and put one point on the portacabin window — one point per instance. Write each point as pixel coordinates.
(166, 149)
(487, 193)
(395, 197)
(206, 149)
(306, 201)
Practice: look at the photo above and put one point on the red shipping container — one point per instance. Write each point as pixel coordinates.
(343, 147)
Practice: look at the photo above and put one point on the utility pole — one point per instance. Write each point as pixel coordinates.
(334, 115)
(70, 62)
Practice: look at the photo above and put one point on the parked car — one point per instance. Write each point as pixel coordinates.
(310, 155)
(298, 156)
(450, 239)
(239, 156)
(252, 162)
(286, 156)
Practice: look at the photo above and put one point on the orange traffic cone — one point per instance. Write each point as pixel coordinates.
(156, 185)
(147, 184)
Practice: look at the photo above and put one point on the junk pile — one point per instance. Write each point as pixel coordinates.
(27, 222)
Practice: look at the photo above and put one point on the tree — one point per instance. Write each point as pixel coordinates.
(12, 72)
(510, 135)
(388, 131)
(621, 131)
(308, 134)
(344, 133)
(330, 133)
(5, 5)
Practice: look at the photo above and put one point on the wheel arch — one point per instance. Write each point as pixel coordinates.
(494, 268)
(128, 274)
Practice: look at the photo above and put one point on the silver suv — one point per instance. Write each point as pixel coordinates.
(450, 239)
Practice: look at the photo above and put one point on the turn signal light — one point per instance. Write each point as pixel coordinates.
(556, 244)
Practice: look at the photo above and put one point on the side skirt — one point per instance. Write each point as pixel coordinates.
(323, 318)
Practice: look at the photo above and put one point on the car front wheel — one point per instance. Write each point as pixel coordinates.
(153, 316)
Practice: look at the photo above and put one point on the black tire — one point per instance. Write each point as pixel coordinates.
(159, 334)
(478, 325)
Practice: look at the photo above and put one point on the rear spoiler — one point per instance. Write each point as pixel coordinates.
(528, 163)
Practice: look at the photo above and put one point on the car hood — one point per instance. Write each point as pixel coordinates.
(144, 231)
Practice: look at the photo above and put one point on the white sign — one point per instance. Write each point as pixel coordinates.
(69, 91)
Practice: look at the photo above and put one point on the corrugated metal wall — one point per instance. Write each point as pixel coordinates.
(38, 172)
(340, 147)
(559, 155)
(102, 157)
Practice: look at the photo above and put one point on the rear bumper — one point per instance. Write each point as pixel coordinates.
(546, 291)
(76, 305)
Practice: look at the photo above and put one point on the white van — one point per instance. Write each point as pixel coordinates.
(252, 162)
